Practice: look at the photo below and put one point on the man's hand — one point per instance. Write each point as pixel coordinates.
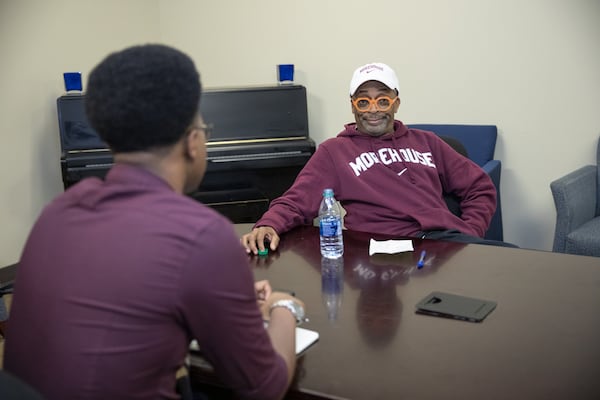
(255, 240)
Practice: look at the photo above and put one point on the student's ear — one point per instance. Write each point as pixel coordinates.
(192, 144)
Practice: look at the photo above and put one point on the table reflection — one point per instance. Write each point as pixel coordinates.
(332, 285)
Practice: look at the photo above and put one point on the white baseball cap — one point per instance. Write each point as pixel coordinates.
(374, 72)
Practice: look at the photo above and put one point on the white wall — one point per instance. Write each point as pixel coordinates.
(39, 40)
(530, 67)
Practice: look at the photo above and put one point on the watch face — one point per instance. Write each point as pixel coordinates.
(299, 312)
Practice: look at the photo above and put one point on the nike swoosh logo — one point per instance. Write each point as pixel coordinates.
(401, 172)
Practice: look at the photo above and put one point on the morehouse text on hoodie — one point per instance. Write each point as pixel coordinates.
(392, 184)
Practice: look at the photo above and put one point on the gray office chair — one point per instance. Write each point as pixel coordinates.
(577, 200)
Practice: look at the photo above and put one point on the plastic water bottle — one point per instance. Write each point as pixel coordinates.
(330, 226)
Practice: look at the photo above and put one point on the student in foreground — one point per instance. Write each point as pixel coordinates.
(118, 276)
(390, 179)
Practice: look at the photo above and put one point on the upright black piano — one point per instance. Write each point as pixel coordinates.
(259, 144)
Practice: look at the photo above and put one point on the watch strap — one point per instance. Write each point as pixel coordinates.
(296, 309)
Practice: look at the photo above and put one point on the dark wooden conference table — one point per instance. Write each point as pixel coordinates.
(541, 342)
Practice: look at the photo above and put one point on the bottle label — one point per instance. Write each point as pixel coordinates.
(329, 227)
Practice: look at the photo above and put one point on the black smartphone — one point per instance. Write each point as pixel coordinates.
(447, 305)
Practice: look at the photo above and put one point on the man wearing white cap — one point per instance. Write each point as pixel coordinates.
(390, 179)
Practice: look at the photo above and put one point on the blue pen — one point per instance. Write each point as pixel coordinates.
(421, 261)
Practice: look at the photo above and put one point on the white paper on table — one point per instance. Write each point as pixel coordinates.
(304, 339)
(390, 246)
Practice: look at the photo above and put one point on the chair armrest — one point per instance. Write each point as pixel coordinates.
(492, 168)
(575, 200)
(495, 231)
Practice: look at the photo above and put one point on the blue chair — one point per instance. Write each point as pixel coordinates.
(577, 201)
(480, 143)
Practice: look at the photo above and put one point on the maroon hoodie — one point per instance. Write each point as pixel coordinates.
(391, 184)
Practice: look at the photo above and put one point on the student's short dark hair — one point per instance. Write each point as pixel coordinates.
(143, 97)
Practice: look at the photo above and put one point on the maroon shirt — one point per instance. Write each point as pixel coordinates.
(393, 184)
(115, 280)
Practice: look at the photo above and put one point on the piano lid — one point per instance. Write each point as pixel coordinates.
(241, 116)
(255, 114)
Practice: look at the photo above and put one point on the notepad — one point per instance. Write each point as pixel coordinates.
(304, 339)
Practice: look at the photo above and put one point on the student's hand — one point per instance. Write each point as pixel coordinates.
(255, 240)
(275, 296)
(263, 291)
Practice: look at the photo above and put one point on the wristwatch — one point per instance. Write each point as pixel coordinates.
(296, 309)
